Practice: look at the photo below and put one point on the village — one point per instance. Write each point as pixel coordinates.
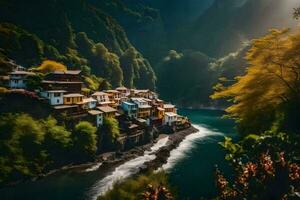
(141, 115)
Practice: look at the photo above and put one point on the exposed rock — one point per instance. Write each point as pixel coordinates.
(163, 154)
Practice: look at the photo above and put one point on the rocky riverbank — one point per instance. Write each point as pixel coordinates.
(105, 162)
(112, 159)
(151, 159)
(163, 153)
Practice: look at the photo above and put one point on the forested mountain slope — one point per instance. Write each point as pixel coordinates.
(76, 33)
(122, 41)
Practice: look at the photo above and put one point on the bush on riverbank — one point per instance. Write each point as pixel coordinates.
(111, 132)
(31, 147)
(266, 167)
(133, 188)
(85, 140)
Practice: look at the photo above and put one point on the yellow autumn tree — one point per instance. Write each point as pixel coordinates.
(271, 82)
(50, 66)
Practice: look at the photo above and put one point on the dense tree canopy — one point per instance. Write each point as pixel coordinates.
(50, 66)
(264, 167)
(111, 127)
(58, 141)
(84, 44)
(20, 45)
(107, 64)
(69, 37)
(85, 139)
(34, 81)
(30, 147)
(21, 147)
(111, 132)
(129, 69)
(137, 70)
(186, 78)
(270, 84)
(265, 103)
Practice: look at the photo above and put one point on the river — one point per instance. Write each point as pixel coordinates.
(190, 167)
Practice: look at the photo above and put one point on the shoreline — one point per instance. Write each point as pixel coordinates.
(163, 153)
(113, 159)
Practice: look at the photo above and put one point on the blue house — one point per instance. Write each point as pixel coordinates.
(130, 109)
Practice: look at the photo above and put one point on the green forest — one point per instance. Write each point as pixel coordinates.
(241, 56)
(60, 34)
(31, 147)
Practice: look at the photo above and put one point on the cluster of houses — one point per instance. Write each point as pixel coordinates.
(63, 91)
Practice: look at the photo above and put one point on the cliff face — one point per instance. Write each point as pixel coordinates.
(55, 22)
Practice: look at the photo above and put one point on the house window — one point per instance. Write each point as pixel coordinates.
(56, 94)
(68, 99)
(57, 101)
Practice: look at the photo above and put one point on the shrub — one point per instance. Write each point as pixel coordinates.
(136, 187)
(85, 140)
(51, 66)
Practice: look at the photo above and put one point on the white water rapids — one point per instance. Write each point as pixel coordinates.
(125, 170)
(94, 167)
(187, 144)
(132, 167)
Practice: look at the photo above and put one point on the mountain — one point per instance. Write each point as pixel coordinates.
(74, 32)
(127, 42)
(214, 27)
(219, 32)
(186, 78)
(165, 24)
(226, 24)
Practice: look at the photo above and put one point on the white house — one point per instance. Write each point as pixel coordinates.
(101, 96)
(125, 92)
(170, 118)
(170, 108)
(144, 109)
(89, 103)
(114, 96)
(98, 117)
(141, 102)
(143, 94)
(55, 97)
(18, 79)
